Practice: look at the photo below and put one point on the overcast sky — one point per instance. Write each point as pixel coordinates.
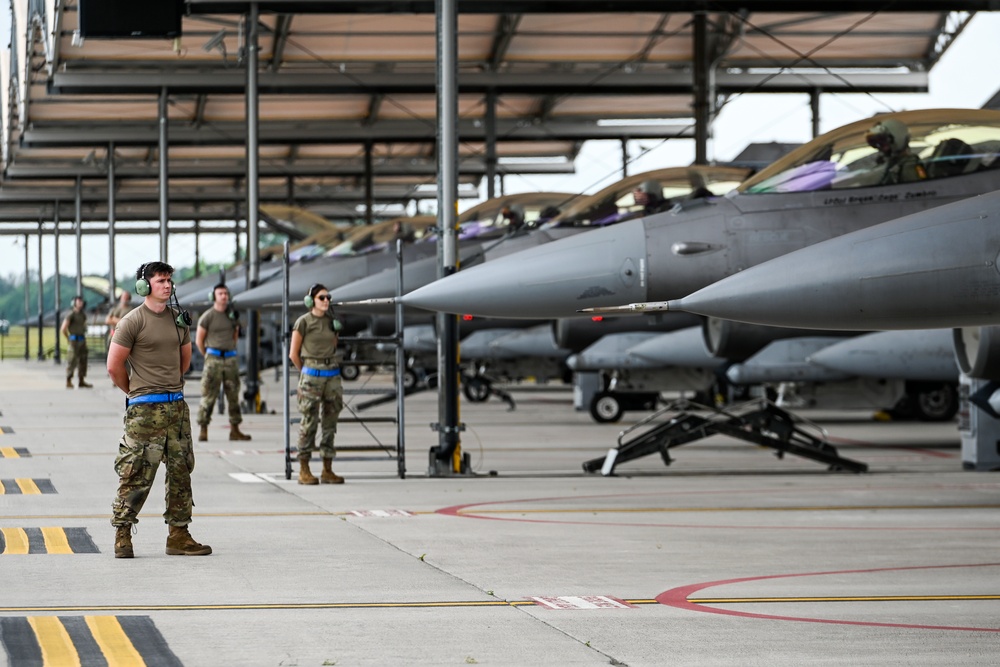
(965, 77)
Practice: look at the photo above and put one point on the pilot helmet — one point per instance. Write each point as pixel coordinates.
(888, 136)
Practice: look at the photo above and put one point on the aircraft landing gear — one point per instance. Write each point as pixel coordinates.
(927, 401)
(476, 389)
(609, 406)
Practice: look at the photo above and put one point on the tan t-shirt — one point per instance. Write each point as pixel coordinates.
(220, 329)
(319, 341)
(77, 323)
(120, 311)
(155, 358)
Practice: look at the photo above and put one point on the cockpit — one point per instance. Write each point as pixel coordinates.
(905, 147)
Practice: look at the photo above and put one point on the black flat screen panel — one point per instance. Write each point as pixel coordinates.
(130, 18)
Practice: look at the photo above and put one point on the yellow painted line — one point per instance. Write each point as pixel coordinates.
(9, 453)
(16, 540)
(56, 644)
(291, 606)
(114, 643)
(56, 541)
(682, 510)
(28, 486)
(847, 598)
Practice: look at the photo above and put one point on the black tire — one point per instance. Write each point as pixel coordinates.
(935, 402)
(350, 373)
(605, 408)
(476, 389)
(410, 379)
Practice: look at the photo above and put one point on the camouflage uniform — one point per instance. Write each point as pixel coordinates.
(320, 401)
(155, 432)
(78, 352)
(224, 372)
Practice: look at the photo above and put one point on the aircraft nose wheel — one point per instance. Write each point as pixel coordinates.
(606, 408)
(476, 389)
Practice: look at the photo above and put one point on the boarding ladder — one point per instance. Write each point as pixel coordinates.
(758, 421)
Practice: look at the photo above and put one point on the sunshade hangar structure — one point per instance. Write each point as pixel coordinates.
(333, 105)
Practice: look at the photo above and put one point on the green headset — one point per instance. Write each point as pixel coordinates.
(142, 288)
(310, 300)
(230, 313)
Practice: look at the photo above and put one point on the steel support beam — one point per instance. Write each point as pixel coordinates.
(340, 132)
(576, 6)
(252, 94)
(111, 224)
(648, 81)
(164, 182)
(446, 457)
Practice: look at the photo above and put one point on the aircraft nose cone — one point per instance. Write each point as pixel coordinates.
(603, 267)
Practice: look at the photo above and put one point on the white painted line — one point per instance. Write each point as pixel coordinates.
(582, 602)
(380, 513)
(247, 477)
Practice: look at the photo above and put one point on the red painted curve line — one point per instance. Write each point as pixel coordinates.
(678, 597)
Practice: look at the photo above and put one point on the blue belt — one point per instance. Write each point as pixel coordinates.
(316, 372)
(225, 354)
(156, 398)
(76, 337)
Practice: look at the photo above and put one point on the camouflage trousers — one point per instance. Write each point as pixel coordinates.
(225, 373)
(77, 359)
(154, 432)
(320, 402)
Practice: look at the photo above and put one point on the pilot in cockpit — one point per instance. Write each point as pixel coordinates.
(891, 138)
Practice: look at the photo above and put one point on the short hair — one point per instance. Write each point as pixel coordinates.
(150, 269)
(315, 289)
(220, 286)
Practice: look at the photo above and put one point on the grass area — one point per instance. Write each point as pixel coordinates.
(12, 345)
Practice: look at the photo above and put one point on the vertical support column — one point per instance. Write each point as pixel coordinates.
(112, 276)
(702, 88)
(164, 186)
(369, 185)
(197, 249)
(41, 295)
(253, 202)
(625, 157)
(57, 354)
(491, 144)
(27, 304)
(446, 457)
(79, 235)
(814, 108)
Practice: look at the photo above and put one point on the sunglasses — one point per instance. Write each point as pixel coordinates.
(323, 297)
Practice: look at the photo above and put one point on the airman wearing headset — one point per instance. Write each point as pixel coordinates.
(74, 328)
(218, 329)
(320, 392)
(155, 342)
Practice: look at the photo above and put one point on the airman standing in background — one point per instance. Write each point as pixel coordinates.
(118, 312)
(218, 329)
(74, 328)
(321, 393)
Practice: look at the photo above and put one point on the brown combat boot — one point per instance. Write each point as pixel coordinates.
(180, 543)
(69, 383)
(328, 476)
(305, 476)
(203, 433)
(236, 434)
(123, 541)
(84, 384)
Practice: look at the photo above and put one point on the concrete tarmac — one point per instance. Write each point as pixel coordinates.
(730, 556)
